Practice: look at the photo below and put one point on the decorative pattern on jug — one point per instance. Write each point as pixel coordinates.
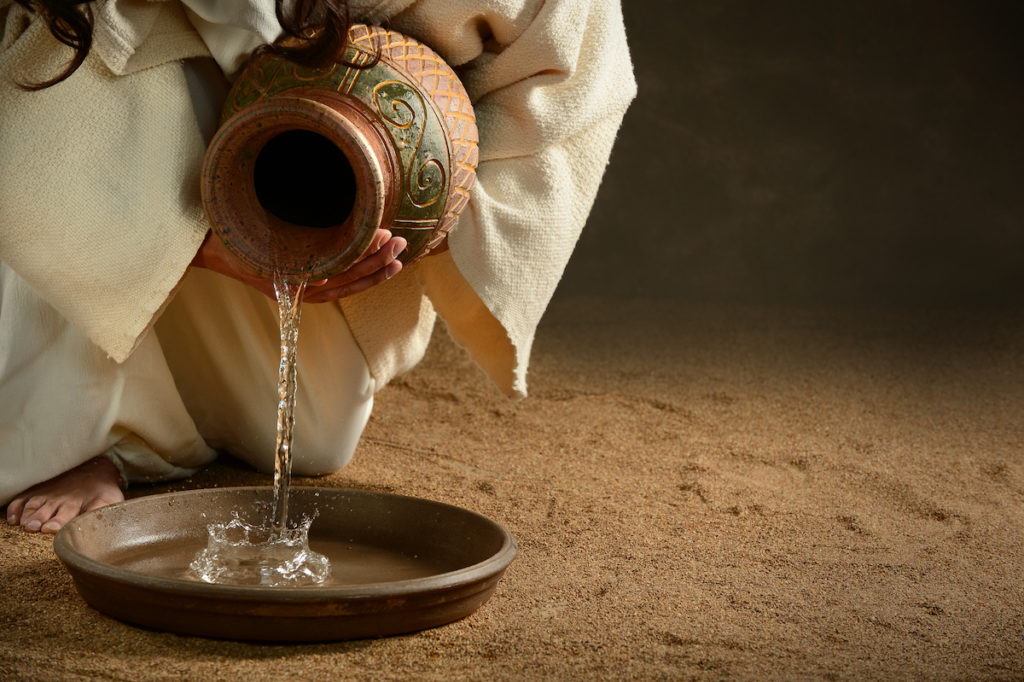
(417, 103)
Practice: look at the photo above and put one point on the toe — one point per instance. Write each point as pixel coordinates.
(32, 504)
(51, 504)
(14, 511)
(37, 512)
(64, 513)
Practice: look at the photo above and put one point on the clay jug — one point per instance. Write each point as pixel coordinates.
(306, 165)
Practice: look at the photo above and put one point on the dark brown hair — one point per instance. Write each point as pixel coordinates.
(315, 31)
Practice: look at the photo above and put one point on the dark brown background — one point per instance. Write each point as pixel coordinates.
(835, 153)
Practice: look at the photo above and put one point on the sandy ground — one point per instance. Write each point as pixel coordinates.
(697, 493)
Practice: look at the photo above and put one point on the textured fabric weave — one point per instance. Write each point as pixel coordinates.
(103, 221)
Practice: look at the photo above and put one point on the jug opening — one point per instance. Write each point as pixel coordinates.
(303, 178)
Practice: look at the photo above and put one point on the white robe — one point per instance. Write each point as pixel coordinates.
(100, 217)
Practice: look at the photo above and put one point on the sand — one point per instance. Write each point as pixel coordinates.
(697, 492)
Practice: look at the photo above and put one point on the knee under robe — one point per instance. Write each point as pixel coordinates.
(100, 217)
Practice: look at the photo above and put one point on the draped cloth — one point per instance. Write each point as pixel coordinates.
(100, 213)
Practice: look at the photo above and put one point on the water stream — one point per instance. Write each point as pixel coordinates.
(289, 307)
(278, 553)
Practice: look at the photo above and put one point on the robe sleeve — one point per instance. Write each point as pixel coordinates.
(550, 83)
(99, 206)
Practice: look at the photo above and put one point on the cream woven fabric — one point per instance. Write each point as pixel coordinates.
(103, 219)
(100, 217)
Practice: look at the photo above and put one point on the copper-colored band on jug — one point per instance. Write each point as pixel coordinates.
(308, 165)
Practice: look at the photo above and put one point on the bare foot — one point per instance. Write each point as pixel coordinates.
(51, 504)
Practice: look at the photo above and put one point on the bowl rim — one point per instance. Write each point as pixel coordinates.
(492, 566)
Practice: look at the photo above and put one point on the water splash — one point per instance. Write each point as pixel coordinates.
(238, 553)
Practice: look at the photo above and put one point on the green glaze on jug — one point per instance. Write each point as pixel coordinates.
(403, 121)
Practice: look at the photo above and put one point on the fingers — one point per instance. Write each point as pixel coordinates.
(380, 239)
(377, 243)
(380, 260)
(376, 265)
(372, 270)
(361, 284)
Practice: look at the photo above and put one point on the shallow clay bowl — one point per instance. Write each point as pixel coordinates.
(398, 564)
